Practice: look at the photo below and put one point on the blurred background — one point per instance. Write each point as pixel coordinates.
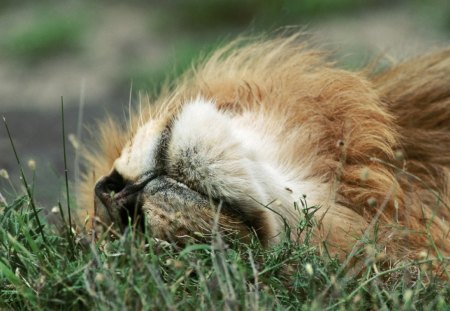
(91, 52)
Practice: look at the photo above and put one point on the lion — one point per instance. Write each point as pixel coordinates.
(263, 123)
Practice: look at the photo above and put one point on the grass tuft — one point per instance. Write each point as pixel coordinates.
(25, 183)
(137, 272)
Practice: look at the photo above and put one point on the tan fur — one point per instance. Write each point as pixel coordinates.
(377, 146)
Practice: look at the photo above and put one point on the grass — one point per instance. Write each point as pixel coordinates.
(136, 272)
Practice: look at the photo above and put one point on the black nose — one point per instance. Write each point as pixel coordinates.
(108, 186)
(121, 198)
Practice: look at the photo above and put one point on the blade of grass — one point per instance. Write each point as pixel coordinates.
(19, 247)
(28, 237)
(9, 275)
(24, 180)
(68, 228)
(70, 238)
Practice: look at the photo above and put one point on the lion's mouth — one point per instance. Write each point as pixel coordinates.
(166, 208)
(122, 201)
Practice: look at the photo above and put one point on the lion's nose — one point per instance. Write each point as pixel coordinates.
(108, 186)
(121, 197)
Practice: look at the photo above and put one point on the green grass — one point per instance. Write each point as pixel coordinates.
(136, 272)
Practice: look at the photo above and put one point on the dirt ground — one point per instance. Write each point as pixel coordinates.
(30, 93)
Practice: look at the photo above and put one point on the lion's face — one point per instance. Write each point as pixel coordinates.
(180, 176)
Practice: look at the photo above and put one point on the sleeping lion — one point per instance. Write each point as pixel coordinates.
(262, 124)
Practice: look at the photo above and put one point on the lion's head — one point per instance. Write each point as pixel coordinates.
(248, 132)
(178, 176)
